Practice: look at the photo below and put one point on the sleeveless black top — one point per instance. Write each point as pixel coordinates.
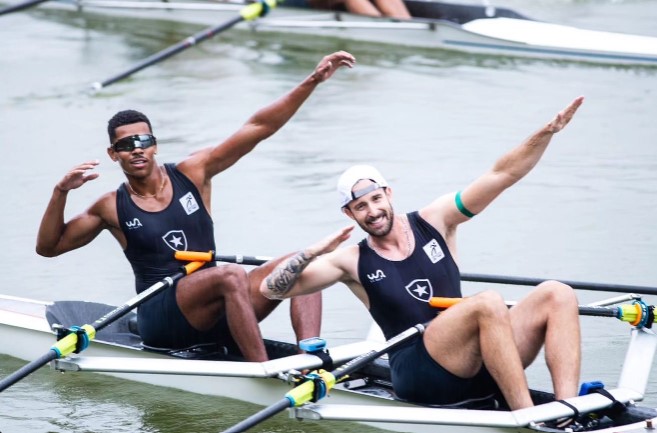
(399, 291)
(154, 237)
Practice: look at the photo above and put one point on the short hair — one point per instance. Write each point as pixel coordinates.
(125, 117)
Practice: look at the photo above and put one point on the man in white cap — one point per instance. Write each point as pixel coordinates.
(476, 347)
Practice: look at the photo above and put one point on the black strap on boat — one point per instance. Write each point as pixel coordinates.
(571, 407)
(617, 407)
(325, 356)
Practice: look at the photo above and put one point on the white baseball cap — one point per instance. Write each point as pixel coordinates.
(351, 176)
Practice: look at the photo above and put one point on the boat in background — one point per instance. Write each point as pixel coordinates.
(365, 396)
(465, 28)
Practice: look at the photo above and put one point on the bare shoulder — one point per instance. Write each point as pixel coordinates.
(438, 213)
(105, 209)
(194, 166)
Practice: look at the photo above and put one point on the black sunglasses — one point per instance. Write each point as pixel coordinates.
(128, 144)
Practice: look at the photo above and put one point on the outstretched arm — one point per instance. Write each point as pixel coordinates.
(202, 166)
(56, 237)
(302, 274)
(444, 213)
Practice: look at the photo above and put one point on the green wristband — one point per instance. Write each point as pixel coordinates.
(459, 204)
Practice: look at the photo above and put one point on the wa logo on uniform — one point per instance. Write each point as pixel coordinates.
(134, 224)
(420, 289)
(189, 203)
(176, 240)
(376, 276)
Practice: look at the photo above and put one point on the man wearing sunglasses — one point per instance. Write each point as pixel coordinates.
(163, 209)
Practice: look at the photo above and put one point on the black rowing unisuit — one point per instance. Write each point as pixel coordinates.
(153, 238)
(399, 291)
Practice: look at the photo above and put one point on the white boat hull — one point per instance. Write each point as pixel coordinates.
(25, 333)
(505, 36)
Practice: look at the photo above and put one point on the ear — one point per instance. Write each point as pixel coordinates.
(112, 154)
(348, 212)
(389, 193)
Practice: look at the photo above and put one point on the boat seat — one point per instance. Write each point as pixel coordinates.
(78, 313)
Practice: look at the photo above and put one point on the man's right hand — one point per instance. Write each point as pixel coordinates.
(331, 63)
(78, 176)
(331, 242)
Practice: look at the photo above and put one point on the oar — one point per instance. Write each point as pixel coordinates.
(637, 314)
(211, 256)
(78, 339)
(480, 278)
(20, 6)
(248, 13)
(318, 384)
(522, 281)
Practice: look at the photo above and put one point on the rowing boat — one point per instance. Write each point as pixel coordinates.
(366, 396)
(473, 29)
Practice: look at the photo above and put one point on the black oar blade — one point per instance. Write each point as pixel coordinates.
(27, 370)
(20, 6)
(259, 417)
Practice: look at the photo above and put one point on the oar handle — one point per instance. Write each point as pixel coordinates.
(211, 256)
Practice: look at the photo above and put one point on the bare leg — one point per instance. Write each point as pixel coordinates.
(478, 331)
(305, 311)
(549, 316)
(306, 315)
(362, 7)
(205, 295)
(393, 8)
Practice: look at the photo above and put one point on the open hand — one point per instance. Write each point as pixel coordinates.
(331, 242)
(78, 176)
(563, 117)
(329, 64)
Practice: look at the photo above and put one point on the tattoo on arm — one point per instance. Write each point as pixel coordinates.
(283, 278)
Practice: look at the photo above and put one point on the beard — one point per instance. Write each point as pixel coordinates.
(389, 214)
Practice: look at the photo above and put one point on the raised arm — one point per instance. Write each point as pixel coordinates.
(313, 269)
(450, 210)
(55, 236)
(203, 165)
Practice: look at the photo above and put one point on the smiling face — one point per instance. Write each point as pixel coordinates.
(373, 211)
(138, 162)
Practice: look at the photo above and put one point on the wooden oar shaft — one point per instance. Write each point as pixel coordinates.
(69, 343)
(523, 281)
(20, 6)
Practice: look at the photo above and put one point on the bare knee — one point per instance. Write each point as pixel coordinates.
(557, 294)
(232, 279)
(489, 305)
